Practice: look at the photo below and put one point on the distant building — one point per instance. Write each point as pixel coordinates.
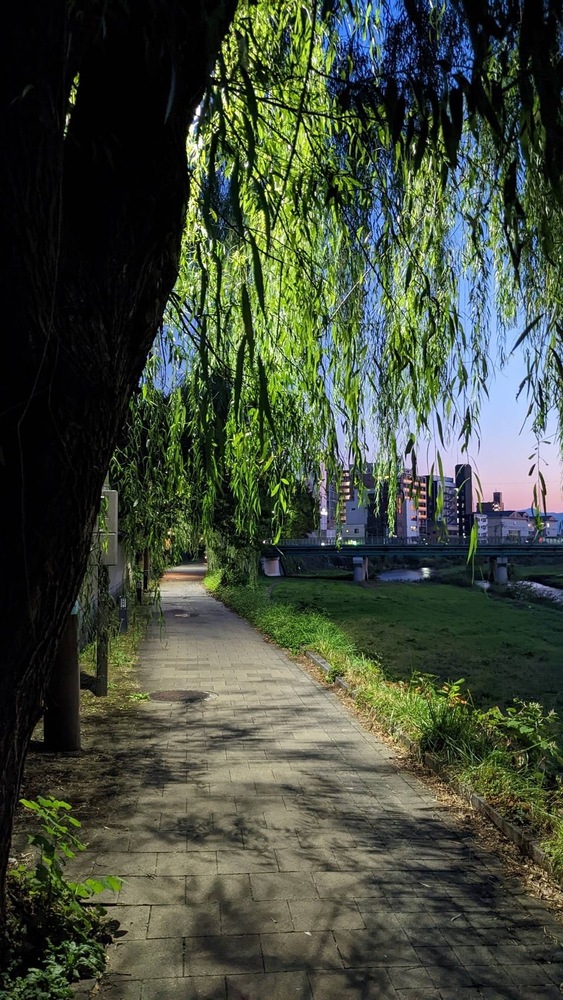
(464, 487)
(328, 506)
(481, 520)
(489, 506)
(412, 511)
(355, 518)
(546, 530)
(345, 491)
(441, 516)
(506, 526)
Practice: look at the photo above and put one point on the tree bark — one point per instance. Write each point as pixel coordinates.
(62, 703)
(92, 202)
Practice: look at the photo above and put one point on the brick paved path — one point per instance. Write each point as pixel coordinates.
(273, 850)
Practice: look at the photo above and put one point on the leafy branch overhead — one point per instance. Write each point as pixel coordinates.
(372, 187)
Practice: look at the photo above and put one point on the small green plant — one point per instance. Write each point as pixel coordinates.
(52, 939)
(139, 696)
(530, 733)
(57, 842)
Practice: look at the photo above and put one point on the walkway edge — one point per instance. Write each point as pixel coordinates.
(526, 844)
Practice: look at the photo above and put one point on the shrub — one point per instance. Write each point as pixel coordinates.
(52, 939)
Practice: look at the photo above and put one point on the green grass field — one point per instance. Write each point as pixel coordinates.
(503, 648)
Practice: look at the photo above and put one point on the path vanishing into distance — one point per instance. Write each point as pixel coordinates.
(272, 849)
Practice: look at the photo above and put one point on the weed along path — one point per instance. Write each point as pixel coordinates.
(272, 849)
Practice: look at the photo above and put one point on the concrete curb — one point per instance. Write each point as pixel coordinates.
(523, 841)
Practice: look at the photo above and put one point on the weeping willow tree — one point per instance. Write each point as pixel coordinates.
(176, 489)
(375, 191)
(369, 184)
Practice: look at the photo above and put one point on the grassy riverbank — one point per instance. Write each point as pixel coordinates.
(503, 648)
(551, 575)
(382, 637)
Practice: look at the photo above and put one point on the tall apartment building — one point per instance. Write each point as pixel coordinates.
(412, 507)
(442, 517)
(327, 495)
(345, 491)
(464, 487)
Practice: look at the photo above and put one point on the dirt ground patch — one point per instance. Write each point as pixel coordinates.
(96, 778)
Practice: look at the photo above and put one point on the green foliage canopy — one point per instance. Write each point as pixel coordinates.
(374, 188)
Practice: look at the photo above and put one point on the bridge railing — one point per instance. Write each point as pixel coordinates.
(349, 543)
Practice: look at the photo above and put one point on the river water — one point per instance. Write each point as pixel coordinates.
(416, 575)
(405, 575)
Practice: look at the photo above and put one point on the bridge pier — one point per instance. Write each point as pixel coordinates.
(499, 569)
(361, 569)
(271, 566)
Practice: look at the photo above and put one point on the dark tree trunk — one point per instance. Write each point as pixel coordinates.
(92, 200)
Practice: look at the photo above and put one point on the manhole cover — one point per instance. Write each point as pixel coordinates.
(188, 697)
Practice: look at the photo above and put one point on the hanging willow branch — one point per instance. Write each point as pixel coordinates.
(374, 189)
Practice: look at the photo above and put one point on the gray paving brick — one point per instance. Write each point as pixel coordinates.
(246, 860)
(188, 863)
(171, 920)
(147, 959)
(133, 921)
(372, 984)
(303, 950)
(270, 986)
(346, 885)
(188, 988)
(223, 954)
(145, 890)
(117, 988)
(310, 915)
(256, 916)
(306, 859)
(365, 949)
(124, 863)
(282, 885)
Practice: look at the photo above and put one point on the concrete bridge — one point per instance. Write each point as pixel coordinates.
(498, 552)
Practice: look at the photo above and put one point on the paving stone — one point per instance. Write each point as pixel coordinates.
(450, 977)
(270, 986)
(371, 984)
(147, 890)
(283, 885)
(223, 954)
(188, 988)
(118, 988)
(123, 864)
(346, 885)
(300, 950)
(133, 921)
(306, 859)
(533, 974)
(184, 920)
(246, 860)
(410, 977)
(256, 916)
(365, 949)
(146, 959)
(188, 863)
(310, 915)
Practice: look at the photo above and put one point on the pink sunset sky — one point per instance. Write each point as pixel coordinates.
(503, 462)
